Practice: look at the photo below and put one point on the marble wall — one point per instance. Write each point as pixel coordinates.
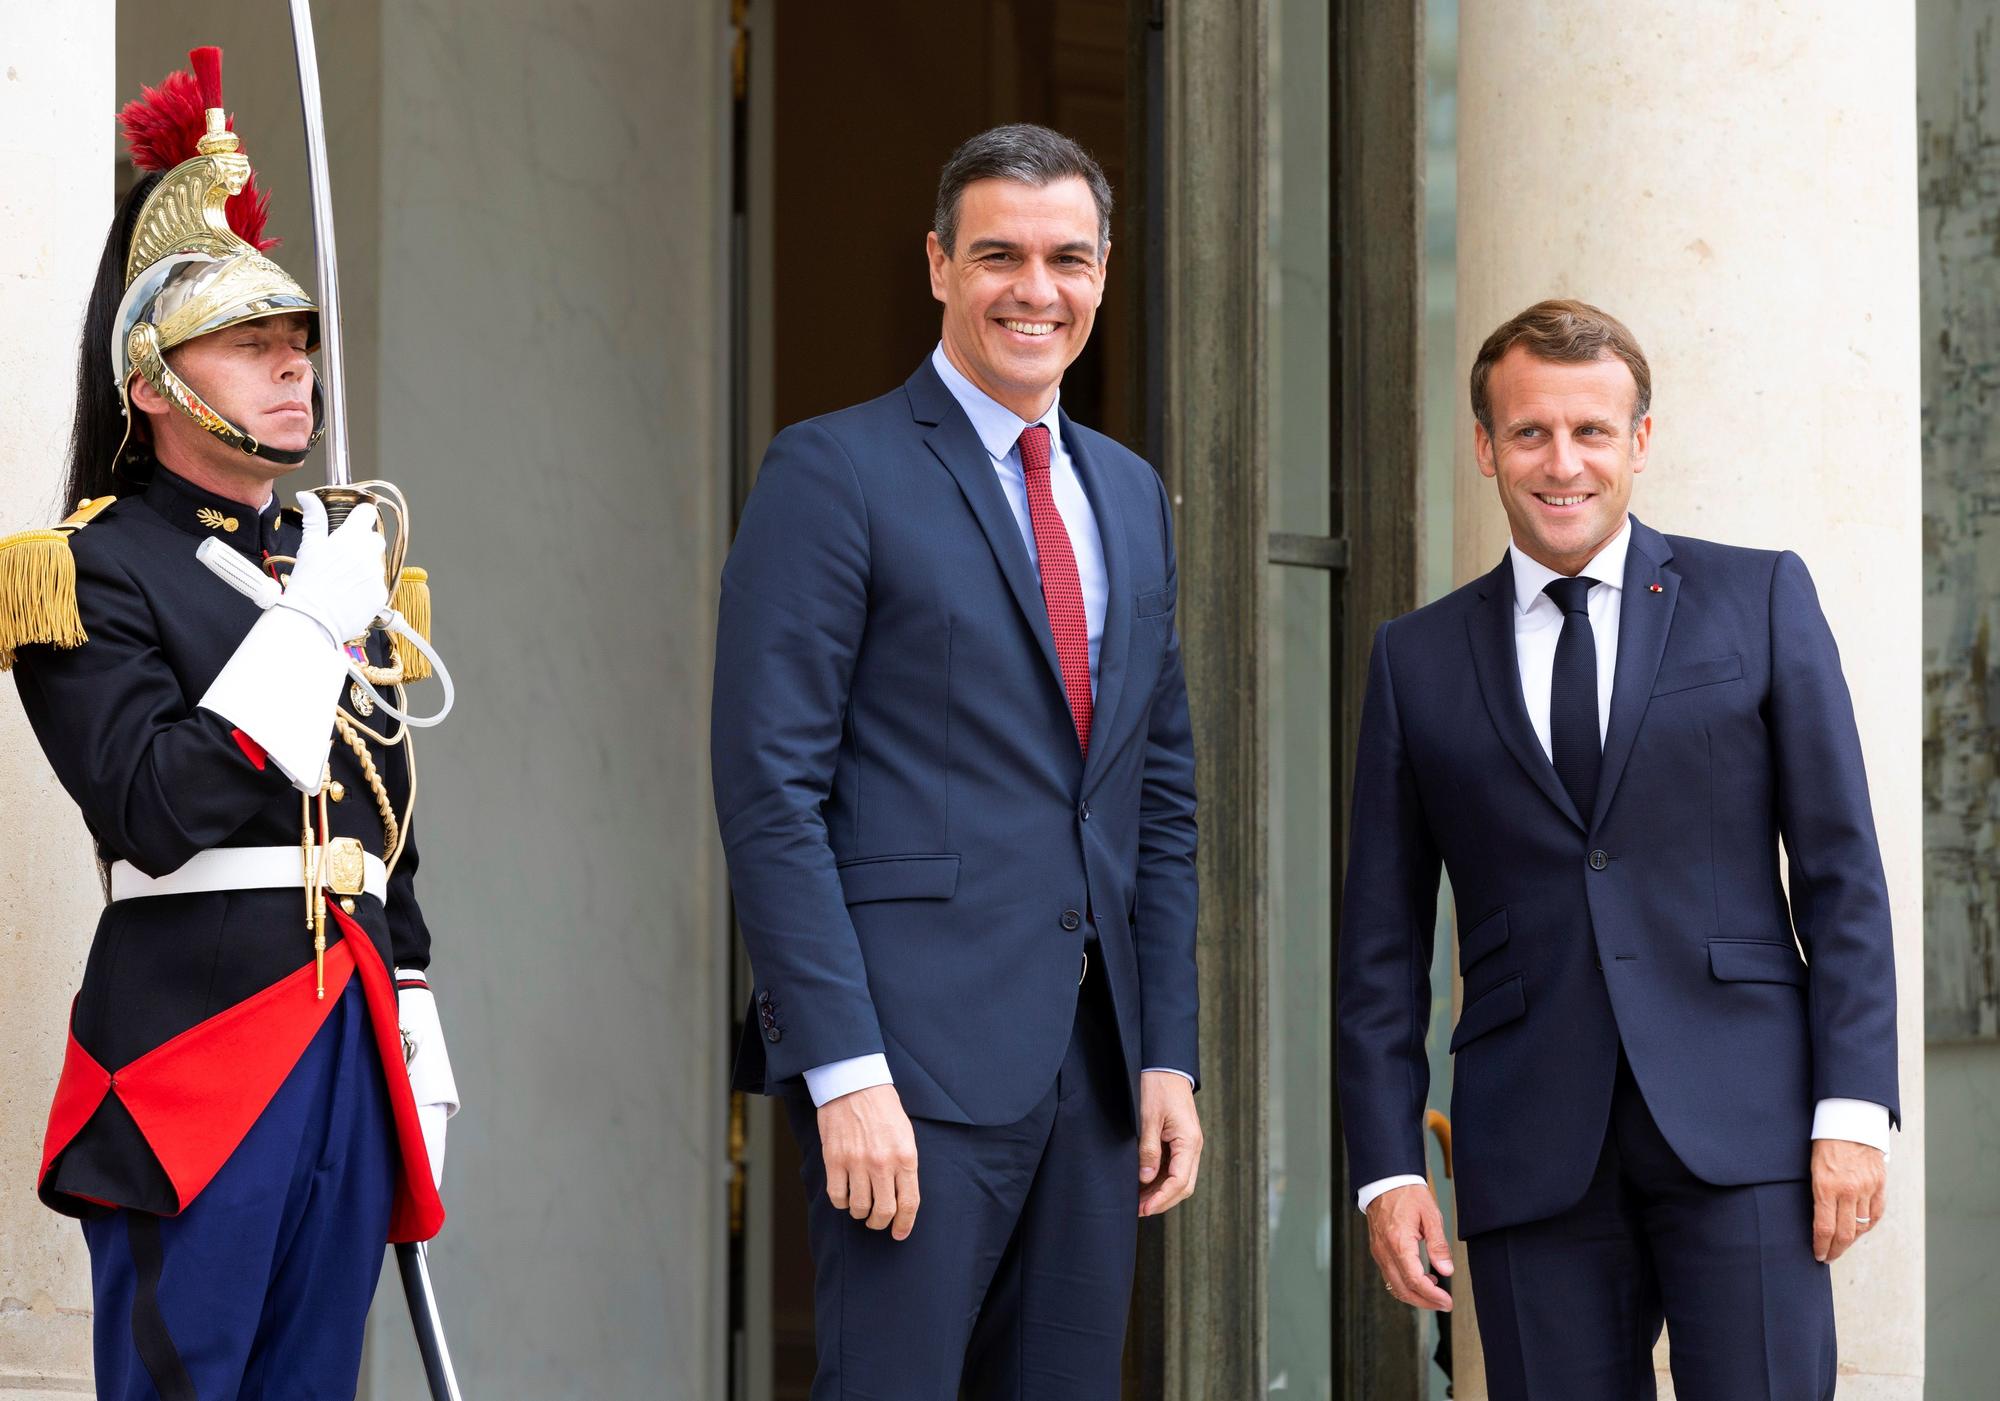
(1738, 183)
(55, 204)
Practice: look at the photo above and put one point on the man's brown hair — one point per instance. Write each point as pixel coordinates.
(1568, 333)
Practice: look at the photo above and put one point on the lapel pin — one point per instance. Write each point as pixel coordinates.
(1656, 588)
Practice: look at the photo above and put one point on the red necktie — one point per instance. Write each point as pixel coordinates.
(1062, 590)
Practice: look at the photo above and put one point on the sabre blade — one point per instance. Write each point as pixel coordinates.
(413, 1262)
(332, 372)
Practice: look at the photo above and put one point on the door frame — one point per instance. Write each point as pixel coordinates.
(1201, 1320)
(1199, 94)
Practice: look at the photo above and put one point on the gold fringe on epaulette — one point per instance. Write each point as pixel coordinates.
(413, 601)
(37, 593)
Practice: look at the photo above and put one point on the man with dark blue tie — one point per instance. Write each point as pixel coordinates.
(955, 782)
(1675, 1077)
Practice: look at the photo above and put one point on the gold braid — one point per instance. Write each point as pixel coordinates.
(391, 830)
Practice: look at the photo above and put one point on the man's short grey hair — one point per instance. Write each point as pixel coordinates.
(1023, 152)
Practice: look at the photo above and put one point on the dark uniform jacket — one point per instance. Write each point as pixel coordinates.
(195, 1007)
(1660, 926)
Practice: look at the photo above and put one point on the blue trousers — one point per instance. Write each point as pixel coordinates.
(1016, 1281)
(1571, 1306)
(261, 1287)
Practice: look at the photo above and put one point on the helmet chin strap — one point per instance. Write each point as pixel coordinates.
(151, 362)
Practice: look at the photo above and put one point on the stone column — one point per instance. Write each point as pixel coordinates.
(55, 206)
(1738, 183)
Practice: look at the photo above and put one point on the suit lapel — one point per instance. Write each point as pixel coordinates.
(1117, 639)
(1644, 618)
(957, 446)
(1490, 629)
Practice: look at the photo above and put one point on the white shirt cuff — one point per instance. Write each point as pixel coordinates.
(1169, 1070)
(281, 687)
(843, 1077)
(1384, 1184)
(1855, 1120)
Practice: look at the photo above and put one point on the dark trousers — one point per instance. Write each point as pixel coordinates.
(260, 1289)
(1570, 1307)
(1015, 1283)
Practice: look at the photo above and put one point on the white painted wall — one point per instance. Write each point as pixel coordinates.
(551, 385)
(55, 205)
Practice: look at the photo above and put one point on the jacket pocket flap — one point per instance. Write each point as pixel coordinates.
(1708, 673)
(1755, 961)
(1495, 1008)
(1151, 605)
(1483, 938)
(899, 878)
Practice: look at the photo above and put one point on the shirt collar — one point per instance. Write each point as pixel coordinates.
(999, 427)
(1607, 566)
(202, 513)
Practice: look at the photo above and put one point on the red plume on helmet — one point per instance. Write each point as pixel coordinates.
(163, 124)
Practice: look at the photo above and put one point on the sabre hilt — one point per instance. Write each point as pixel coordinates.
(342, 501)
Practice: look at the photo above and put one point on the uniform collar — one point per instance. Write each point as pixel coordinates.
(999, 427)
(202, 513)
(1607, 566)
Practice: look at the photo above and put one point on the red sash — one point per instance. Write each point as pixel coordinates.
(195, 1097)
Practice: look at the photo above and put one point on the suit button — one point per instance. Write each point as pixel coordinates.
(1598, 860)
(773, 1035)
(1072, 920)
(1084, 812)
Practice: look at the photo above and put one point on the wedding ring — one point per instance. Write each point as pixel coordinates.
(1863, 1220)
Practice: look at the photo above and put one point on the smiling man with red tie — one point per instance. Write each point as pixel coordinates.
(955, 781)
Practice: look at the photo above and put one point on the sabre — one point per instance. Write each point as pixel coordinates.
(407, 618)
(414, 1262)
(333, 372)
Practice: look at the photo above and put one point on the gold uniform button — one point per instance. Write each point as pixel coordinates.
(336, 791)
(347, 903)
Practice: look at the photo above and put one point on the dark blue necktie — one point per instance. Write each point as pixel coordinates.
(1574, 744)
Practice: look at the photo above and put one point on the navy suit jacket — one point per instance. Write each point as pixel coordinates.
(1658, 923)
(915, 839)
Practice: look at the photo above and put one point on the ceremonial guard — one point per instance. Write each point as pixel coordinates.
(252, 1103)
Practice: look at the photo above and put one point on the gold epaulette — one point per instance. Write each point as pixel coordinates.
(38, 585)
(413, 601)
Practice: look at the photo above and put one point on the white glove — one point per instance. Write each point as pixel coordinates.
(338, 579)
(428, 1063)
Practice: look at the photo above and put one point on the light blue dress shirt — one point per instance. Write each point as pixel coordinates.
(1000, 429)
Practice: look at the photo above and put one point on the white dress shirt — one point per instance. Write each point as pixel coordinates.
(999, 429)
(1538, 625)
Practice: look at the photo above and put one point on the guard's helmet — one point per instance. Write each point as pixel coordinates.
(196, 262)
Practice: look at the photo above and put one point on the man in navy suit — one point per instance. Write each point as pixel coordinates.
(955, 782)
(1662, 1112)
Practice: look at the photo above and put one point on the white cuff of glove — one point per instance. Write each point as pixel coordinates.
(1856, 1120)
(827, 1083)
(305, 608)
(281, 687)
(1386, 1184)
(428, 1064)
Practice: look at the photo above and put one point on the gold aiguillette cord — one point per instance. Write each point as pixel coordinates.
(311, 855)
